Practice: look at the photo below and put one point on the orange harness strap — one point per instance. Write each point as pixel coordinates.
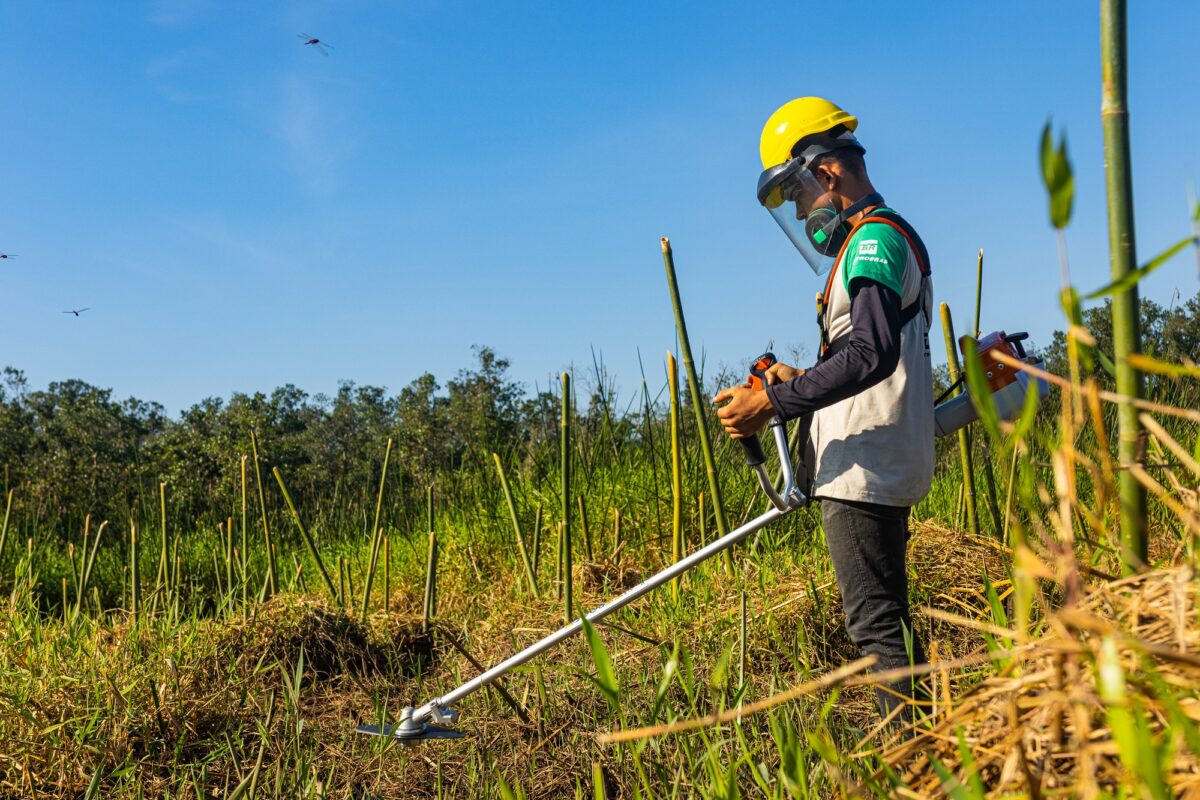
(823, 299)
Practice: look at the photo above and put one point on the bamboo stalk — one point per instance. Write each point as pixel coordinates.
(377, 531)
(308, 540)
(1118, 180)
(516, 523)
(565, 472)
(272, 581)
(676, 471)
(245, 578)
(698, 403)
(964, 438)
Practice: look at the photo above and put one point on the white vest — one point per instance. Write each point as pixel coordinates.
(877, 446)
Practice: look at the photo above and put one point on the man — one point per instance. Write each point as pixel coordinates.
(870, 396)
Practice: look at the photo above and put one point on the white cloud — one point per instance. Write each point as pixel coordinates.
(307, 122)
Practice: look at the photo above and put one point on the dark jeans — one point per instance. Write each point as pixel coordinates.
(867, 543)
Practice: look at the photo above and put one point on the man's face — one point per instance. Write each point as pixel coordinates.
(808, 193)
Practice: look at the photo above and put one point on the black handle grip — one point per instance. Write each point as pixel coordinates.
(754, 451)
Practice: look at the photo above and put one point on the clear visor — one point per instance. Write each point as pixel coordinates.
(791, 205)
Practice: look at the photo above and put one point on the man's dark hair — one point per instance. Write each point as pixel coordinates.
(851, 159)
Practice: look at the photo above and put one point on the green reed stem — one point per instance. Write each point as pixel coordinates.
(537, 538)
(135, 591)
(587, 533)
(565, 474)
(308, 540)
(431, 566)
(698, 403)
(988, 475)
(86, 578)
(387, 574)
(243, 556)
(516, 523)
(377, 532)
(164, 571)
(964, 438)
(616, 551)
(676, 471)
(4, 528)
(229, 558)
(272, 579)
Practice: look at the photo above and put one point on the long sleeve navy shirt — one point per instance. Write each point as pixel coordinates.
(868, 357)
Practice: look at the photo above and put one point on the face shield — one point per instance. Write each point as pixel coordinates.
(803, 208)
(804, 211)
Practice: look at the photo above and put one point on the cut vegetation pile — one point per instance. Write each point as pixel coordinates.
(1107, 698)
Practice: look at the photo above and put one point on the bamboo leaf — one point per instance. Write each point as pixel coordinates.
(979, 391)
(606, 675)
(1058, 177)
(1131, 278)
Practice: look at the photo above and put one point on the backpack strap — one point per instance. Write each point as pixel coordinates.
(907, 313)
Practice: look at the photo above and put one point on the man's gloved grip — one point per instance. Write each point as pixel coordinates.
(754, 451)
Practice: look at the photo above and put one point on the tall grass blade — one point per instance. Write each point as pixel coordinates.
(308, 540)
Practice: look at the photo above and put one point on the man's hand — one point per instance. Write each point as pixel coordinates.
(781, 373)
(747, 411)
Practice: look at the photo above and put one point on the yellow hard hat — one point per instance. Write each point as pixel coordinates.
(796, 120)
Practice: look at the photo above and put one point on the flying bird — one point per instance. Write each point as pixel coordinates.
(7, 255)
(76, 311)
(313, 41)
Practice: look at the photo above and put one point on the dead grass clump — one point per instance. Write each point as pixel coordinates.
(1058, 720)
(332, 642)
(607, 576)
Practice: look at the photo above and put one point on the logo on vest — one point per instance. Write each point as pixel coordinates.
(868, 247)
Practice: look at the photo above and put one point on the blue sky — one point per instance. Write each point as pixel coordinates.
(240, 211)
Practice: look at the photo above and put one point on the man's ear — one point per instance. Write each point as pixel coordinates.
(829, 173)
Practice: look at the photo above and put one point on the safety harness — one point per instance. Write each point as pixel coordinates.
(907, 313)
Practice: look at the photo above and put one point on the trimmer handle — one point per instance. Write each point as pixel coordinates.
(758, 382)
(758, 370)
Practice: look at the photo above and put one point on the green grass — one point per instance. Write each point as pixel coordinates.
(204, 693)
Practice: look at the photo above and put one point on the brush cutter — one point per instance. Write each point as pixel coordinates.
(428, 720)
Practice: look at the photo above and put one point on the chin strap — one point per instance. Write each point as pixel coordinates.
(873, 199)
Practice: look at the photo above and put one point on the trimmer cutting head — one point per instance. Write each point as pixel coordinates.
(409, 731)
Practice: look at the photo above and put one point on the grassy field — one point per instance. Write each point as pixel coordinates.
(150, 658)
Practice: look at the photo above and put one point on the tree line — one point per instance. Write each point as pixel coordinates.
(73, 449)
